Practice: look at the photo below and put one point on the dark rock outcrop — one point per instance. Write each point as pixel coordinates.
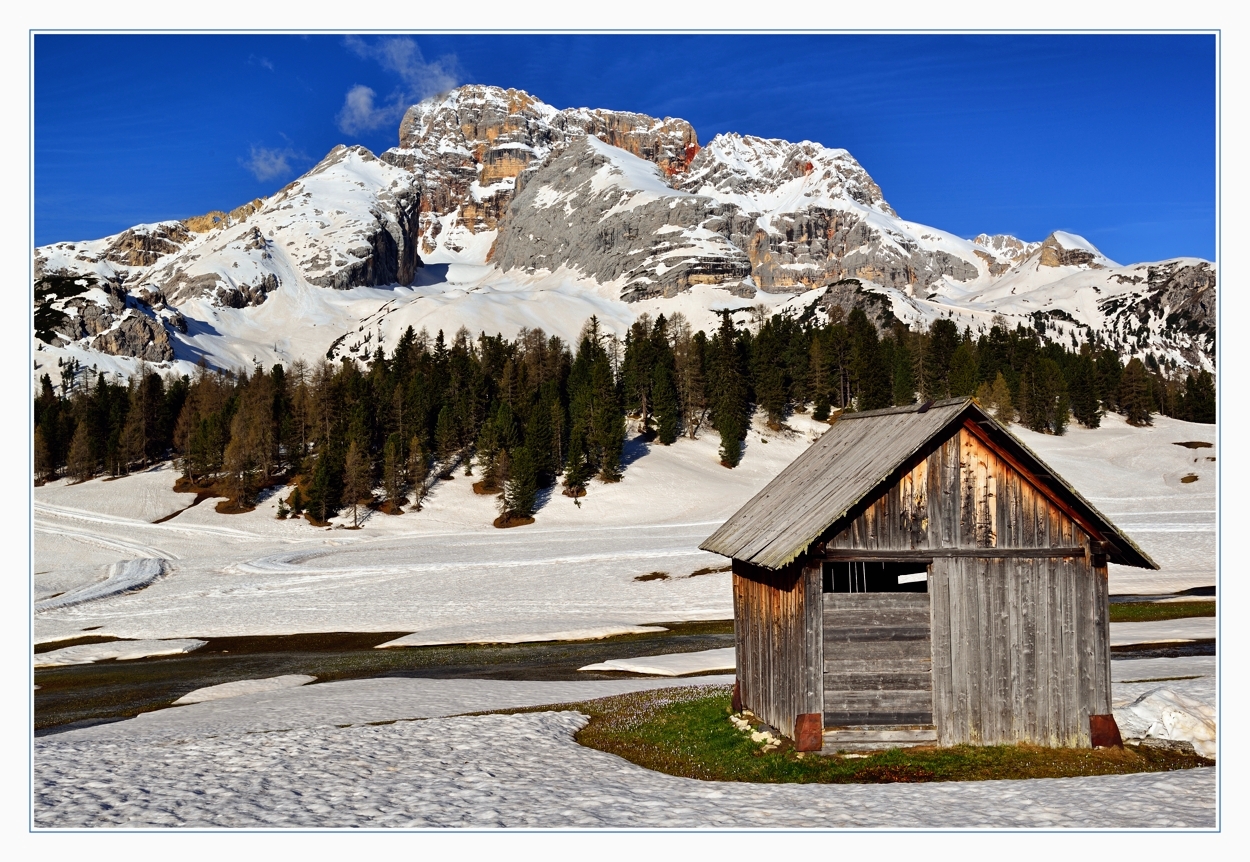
(139, 336)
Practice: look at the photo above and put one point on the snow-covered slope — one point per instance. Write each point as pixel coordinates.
(529, 216)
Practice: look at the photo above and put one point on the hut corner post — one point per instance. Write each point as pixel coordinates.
(778, 641)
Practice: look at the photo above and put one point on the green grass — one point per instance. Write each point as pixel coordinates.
(686, 732)
(1140, 612)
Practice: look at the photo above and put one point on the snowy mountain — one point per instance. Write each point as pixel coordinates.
(498, 211)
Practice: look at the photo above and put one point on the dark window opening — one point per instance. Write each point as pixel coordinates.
(853, 577)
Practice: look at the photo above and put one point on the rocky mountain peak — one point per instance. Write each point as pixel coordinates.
(471, 146)
(770, 175)
(1068, 249)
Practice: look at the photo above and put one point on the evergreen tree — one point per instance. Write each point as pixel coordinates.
(768, 374)
(665, 401)
(1083, 388)
(872, 378)
(818, 380)
(326, 487)
(1134, 393)
(1200, 398)
(904, 378)
(577, 468)
(689, 351)
(445, 433)
(943, 341)
(637, 370)
(520, 492)
(608, 438)
(538, 442)
(963, 373)
(727, 392)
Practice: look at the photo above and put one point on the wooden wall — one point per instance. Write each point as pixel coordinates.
(1020, 645)
(961, 496)
(1020, 650)
(878, 659)
(777, 634)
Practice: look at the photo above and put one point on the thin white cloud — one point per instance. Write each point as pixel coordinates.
(418, 79)
(270, 163)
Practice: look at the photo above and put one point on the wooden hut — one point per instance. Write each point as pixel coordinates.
(919, 575)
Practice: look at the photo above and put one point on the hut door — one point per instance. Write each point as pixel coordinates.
(878, 654)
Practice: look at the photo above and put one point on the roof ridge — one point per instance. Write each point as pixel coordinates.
(918, 407)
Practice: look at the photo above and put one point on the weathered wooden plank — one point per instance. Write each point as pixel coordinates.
(1027, 681)
(876, 650)
(950, 492)
(1104, 641)
(876, 634)
(878, 616)
(1015, 651)
(877, 665)
(978, 653)
(879, 700)
(1078, 711)
(1002, 572)
(865, 602)
(928, 555)
(879, 681)
(1054, 667)
(1086, 608)
(813, 641)
(834, 719)
(939, 594)
(961, 668)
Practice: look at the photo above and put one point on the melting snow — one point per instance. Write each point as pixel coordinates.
(118, 650)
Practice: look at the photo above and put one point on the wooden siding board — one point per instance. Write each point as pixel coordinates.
(877, 667)
(939, 595)
(1104, 642)
(813, 641)
(961, 674)
(1086, 606)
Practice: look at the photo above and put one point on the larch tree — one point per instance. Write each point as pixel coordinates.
(1134, 393)
(82, 460)
(356, 479)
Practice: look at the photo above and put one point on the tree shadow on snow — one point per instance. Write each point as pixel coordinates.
(542, 497)
(635, 447)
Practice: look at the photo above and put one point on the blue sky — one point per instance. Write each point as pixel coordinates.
(1108, 136)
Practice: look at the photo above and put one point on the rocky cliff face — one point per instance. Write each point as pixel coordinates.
(471, 147)
(1172, 305)
(610, 216)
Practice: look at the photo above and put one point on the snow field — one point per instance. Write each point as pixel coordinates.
(207, 765)
(444, 576)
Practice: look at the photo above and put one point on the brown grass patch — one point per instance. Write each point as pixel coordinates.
(710, 570)
(1189, 478)
(503, 522)
(653, 576)
(1195, 444)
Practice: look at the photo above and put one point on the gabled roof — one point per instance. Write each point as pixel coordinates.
(856, 458)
